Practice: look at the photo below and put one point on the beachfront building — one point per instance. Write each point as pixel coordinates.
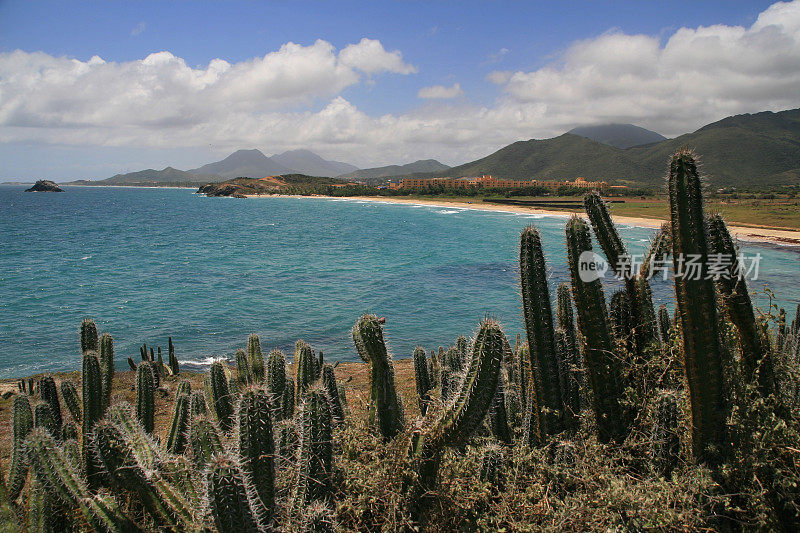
(487, 181)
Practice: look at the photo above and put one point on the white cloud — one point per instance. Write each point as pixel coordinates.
(139, 28)
(697, 76)
(369, 56)
(440, 91)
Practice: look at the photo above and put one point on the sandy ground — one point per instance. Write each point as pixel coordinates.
(743, 233)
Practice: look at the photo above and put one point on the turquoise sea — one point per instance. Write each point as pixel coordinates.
(149, 263)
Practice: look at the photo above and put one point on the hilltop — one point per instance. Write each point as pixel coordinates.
(618, 135)
(391, 171)
(242, 187)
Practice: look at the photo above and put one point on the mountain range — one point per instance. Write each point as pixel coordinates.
(760, 149)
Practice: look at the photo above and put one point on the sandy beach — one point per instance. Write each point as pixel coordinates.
(743, 233)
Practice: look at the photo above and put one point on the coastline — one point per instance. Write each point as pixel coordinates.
(742, 233)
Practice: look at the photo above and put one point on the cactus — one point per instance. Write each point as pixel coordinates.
(174, 366)
(69, 431)
(696, 301)
(492, 466)
(666, 444)
(22, 424)
(176, 440)
(42, 514)
(422, 379)
(89, 338)
(243, 370)
(664, 323)
(218, 395)
(315, 460)
(539, 327)
(571, 388)
(145, 397)
(131, 364)
(605, 380)
(620, 312)
(287, 439)
(256, 445)
(168, 507)
(43, 418)
(498, 416)
(287, 400)
(657, 254)
(60, 477)
(197, 404)
(754, 346)
(92, 396)
(319, 364)
(160, 367)
(184, 387)
(448, 384)
(255, 358)
(318, 518)
(107, 366)
(70, 395)
(332, 390)
(49, 393)
(386, 408)
(228, 498)
(204, 441)
(305, 366)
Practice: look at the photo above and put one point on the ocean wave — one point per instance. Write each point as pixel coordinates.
(447, 211)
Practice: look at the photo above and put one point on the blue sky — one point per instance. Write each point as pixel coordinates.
(369, 83)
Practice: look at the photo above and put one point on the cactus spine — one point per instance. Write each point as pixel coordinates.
(331, 388)
(107, 366)
(386, 408)
(255, 358)
(145, 397)
(315, 460)
(539, 328)
(204, 441)
(305, 366)
(22, 424)
(256, 445)
(601, 362)
(228, 498)
(697, 309)
(422, 379)
(243, 370)
(218, 395)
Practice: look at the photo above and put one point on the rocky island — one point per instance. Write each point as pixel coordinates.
(45, 186)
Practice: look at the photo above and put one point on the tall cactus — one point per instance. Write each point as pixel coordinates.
(539, 328)
(498, 416)
(255, 358)
(145, 397)
(315, 460)
(386, 408)
(696, 301)
(331, 388)
(467, 412)
(49, 394)
(287, 400)
(107, 366)
(756, 357)
(218, 395)
(89, 338)
(276, 373)
(666, 443)
(422, 379)
(70, 395)
(228, 498)
(197, 404)
(256, 445)
(305, 366)
(92, 392)
(602, 363)
(244, 372)
(43, 418)
(22, 424)
(174, 366)
(179, 428)
(571, 388)
(664, 323)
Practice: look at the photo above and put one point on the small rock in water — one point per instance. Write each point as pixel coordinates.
(45, 186)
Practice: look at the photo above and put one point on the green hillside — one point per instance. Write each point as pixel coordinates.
(565, 157)
(762, 149)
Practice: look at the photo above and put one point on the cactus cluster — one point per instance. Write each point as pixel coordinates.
(257, 447)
